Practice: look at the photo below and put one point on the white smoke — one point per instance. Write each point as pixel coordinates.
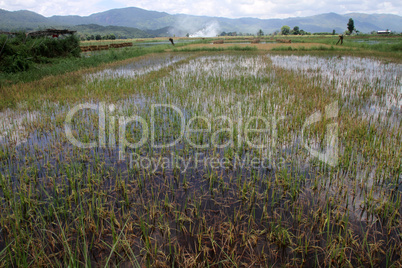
(209, 30)
(195, 26)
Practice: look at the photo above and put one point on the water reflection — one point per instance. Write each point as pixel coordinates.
(136, 68)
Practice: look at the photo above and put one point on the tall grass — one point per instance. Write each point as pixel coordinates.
(19, 53)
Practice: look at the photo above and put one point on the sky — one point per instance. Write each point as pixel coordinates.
(263, 9)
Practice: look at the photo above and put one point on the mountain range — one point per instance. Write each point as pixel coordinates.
(180, 24)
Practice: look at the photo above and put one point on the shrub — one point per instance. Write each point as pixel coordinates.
(18, 53)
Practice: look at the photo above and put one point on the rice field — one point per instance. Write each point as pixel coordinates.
(222, 159)
(265, 46)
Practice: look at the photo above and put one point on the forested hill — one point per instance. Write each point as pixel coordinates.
(180, 23)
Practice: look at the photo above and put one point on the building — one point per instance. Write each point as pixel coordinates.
(384, 32)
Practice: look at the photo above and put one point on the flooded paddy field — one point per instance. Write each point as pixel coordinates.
(261, 46)
(209, 159)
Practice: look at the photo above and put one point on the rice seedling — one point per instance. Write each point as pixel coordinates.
(206, 158)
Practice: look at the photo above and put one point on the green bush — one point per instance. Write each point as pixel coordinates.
(52, 47)
(14, 57)
(15, 63)
(396, 47)
(20, 52)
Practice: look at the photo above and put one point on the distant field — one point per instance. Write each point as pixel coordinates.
(371, 42)
(136, 40)
(383, 46)
(257, 46)
(117, 41)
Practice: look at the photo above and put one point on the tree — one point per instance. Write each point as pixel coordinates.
(285, 30)
(296, 30)
(333, 32)
(98, 37)
(351, 25)
(260, 33)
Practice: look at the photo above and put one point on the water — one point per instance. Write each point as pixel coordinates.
(12, 125)
(136, 68)
(352, 76)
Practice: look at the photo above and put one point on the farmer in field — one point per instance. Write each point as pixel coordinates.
(340, 39)
(171, 41)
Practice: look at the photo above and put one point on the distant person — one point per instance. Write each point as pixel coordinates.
(340, 39)
(171, 41)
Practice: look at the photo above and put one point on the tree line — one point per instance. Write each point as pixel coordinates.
(99, 37)
(286, 30)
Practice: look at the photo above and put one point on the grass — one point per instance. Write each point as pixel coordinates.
(302, 48)
(363, 42)
(215, 49)
(240, 205)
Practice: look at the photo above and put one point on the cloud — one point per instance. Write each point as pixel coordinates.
(263, 9)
